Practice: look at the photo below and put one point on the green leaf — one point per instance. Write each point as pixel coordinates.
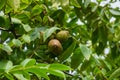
(22, 75)
(26, 27)
(86, 3)
(26, 1)
(38, 72)
(115, 74)
(55, 4)
(108, 64)
(16, 21)
(75, 3)
(6, 48)
(16, 69)
(19, 76)
(45, 19)
(37, 9)
(8, 66)
(49, 32)
(2, 3)
(76, 58)
(34, 34)
(14, 4)
(85, 51)
(5, 66)
(42, 65)
(2, 20)
(8, 9)
(28, 62)
(17, 42)
(58, 66)
(86, 64)
(9, 76)
(115, 12)
(64, 2)
(26, 38)
(56, 73)
(24, 16)
(97, 70)
(67, 53)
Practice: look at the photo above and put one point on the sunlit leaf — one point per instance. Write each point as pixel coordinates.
(16, 21)
(17, 69)
(6, 48)
(17, 42)
(27, 27)
(65, 3)
(59, 66)
(55, 4)
(87, 2)
(49, 32)
(14, 4)
(5, 66)
(26, 38)
(56, 73)
(38, 72)
(115, 12)
(28, 62)
(20, 76)
(42, 65)
(26, 1)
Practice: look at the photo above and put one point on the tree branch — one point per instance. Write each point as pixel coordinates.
(12, 28)
(3, 29)
(72, 75)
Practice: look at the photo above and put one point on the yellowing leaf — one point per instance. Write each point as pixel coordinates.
(14, 4)
(26, 38)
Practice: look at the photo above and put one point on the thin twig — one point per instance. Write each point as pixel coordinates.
(72, 75)
(12, 28)
(3, 29)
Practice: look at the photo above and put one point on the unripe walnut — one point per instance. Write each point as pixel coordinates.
(55, 46)
(62, 36)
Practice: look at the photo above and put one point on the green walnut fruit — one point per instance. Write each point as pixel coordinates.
(55, 46)
(62, 36)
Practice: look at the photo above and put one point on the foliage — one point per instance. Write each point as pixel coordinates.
(91, 51)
